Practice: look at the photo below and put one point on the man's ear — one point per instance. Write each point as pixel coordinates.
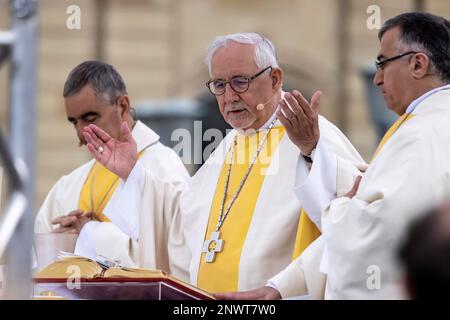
(124, 105)
(277, 78)
(420, 65)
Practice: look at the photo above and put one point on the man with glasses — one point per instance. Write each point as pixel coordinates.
(409, 172)
(241, 220)
(95, 93)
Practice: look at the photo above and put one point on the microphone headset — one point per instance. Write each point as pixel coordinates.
(261, 106)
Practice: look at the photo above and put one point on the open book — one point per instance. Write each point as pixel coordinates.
(71, 269)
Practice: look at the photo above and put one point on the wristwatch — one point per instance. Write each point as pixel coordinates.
(309, 158)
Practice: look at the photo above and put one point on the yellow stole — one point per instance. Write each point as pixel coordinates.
(97, 190)
(404, 118)
(222, 274)
(307, 232)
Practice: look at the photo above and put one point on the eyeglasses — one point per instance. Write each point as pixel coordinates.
(239, 84)
(380, 64)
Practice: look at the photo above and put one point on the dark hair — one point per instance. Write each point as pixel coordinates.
(430, 32)
(104, 79)
(425, 255)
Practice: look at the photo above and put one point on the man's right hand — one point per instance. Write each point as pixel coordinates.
(354, 189)
(117, 156)
(263, 293)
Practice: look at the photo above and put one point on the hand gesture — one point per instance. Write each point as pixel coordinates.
(73, 222)
(117, 156)
(301, 120)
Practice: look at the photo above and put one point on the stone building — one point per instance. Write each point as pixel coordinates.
(158, 47)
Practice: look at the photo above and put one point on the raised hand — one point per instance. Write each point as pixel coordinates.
(301, 120)
(117, 156)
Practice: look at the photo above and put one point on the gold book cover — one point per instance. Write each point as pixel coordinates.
(91, 272)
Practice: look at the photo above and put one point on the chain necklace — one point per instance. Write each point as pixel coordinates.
(214, 244)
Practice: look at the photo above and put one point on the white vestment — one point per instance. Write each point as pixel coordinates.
(361, 235)
(104, 238)
(270, 240)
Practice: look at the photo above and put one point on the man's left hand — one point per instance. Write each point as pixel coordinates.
(73, 222)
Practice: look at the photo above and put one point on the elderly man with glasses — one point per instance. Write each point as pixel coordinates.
(240, 218)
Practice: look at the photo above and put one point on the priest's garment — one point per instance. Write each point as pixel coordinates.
(91, 186)
(265, 228)
(408, 175)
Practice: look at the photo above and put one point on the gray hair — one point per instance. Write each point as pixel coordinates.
(265, 54)
(104, 79)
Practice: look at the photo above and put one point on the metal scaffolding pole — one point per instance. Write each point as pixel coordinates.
(342, 20)
(16, 223)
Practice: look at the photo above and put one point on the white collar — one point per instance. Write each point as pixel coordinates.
(423, 97)
(267, 124)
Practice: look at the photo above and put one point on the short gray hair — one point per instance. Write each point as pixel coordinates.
(104, 79)
(427, 33)
(265, 54)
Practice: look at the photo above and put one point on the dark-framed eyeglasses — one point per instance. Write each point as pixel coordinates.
(380, 64)
(239, 84)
